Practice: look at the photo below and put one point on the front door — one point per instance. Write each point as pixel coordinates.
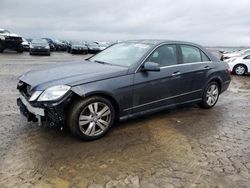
(156, 89)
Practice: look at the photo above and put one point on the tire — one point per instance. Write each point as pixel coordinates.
(210, 95)
(19, 49)
(1, 48)
(240, 69)
(84, 124)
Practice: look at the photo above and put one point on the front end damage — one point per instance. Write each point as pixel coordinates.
(53, 112)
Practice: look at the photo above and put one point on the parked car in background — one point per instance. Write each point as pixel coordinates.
(66, 42)
(51, 44)
(240, 65)
(93, 48)
(25, 45)
(78, 48)
(235, 54)
(10, 41)
(126, 80)
(229, 50)
(39, 46)
(60, 46)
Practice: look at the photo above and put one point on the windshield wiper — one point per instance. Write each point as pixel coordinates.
(102, 62)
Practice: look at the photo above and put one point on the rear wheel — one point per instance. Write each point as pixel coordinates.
(91, 118)
(240, 70)
(210, 95)
(19, 49)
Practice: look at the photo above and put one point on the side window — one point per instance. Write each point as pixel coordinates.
(248, 57)
(190, 54)
(204, 57)
(164, 55)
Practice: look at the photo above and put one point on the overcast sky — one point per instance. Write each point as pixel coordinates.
(208, 22)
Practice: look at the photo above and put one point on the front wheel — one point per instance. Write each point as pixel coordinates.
(19, 49)
(210, 95)
(91, 118)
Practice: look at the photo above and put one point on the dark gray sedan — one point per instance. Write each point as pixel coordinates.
(40, 47)
(125, 80)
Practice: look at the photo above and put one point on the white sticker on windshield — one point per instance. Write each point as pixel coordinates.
(141, 45)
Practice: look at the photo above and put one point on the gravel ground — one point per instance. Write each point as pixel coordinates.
(186, 147)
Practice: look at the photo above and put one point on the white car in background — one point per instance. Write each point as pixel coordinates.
(240, 65)
(235, 54)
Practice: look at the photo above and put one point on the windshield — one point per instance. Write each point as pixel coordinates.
(39, 41)
(122, 54)
(4, 31)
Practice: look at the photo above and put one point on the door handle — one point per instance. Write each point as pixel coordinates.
(207, 67)
(176, 73)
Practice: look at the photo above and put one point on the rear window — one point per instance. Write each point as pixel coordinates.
(191, 54)
(247, 57)
(204, 57)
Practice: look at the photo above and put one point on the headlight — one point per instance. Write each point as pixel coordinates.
(54, 93)
(47, 47)
(35, 95)
(31, 46)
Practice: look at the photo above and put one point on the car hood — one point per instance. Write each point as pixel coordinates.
(10, 35)
(71, 73)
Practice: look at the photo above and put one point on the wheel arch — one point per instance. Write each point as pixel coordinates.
(218, 80)
(242, 65)
(110, 97)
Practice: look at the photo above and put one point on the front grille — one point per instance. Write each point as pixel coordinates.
(39, 50)
(25, 89)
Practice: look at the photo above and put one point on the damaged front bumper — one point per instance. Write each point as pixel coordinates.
(53, 112)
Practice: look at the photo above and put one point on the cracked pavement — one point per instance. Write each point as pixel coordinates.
(185, 147)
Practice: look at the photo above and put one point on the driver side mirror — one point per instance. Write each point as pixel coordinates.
(151, 66)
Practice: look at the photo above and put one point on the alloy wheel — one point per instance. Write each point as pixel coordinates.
(212, 94)
(94, 119)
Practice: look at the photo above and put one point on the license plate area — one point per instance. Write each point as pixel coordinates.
(31, 109)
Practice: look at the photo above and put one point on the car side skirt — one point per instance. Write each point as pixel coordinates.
(158, 109)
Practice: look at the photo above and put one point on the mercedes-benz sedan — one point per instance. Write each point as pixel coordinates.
(125, 80)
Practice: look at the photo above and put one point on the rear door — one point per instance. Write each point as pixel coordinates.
(194, 69)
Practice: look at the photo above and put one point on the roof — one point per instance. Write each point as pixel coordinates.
(157, 41)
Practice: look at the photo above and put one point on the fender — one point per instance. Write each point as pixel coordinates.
(214, 77)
